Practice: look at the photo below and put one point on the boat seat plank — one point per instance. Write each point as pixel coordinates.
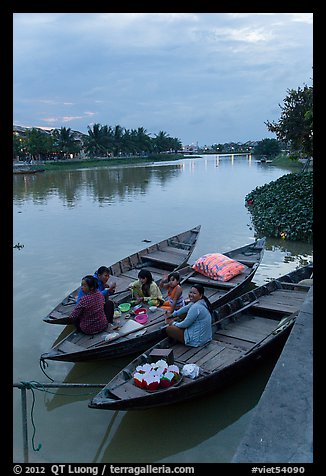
(178, 350)
(250, 326)
(166, 257)
(210, 355)
(207, 281)
(194, 353)
(174, 249)
(281, 300)
(179, 244)
(214, 346)
(226, 356)
(247, 262)
(128, 390)
(234, 342)
(121, 281)
(242, 333)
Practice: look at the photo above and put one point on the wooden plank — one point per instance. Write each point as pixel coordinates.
(200, 362)
(166, 257)
(250, 330)
(68, 347)
(234, 342)
(281, 300)
(179, 350)
(207, 281)
(241, 332)
(226, 357)
(196, 358)
(129, 390)
(178, 251)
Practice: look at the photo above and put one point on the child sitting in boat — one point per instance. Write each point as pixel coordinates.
(102, 276)
(146, 290)
(175, 299)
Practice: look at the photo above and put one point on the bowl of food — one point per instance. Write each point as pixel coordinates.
(140, 310)
(124, 307)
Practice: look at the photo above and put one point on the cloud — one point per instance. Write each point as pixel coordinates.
(175, 72)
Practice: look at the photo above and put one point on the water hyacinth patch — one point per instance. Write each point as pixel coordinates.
(284, 208)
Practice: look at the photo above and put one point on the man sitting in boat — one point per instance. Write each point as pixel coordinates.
(175, 299)
(88, 315)
(145, 289)
(196, 328)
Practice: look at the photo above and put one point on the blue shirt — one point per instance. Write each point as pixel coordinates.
(100, 287)
(197, 323)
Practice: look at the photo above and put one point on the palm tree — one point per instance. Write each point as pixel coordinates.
(99, 141)
(161, 142)
(65, 142)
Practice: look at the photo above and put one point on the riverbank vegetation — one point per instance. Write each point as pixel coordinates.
(106, 162)
(284, 208)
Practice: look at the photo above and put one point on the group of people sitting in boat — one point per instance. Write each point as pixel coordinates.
(188, 320)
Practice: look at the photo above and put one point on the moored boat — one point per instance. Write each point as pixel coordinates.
(160, 258)
(245, 329)
(27, 169)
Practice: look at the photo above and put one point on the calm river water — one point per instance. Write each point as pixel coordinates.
(70, 223)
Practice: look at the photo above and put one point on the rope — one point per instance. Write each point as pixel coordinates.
(30, 387)
(44, 364)
(34, 385)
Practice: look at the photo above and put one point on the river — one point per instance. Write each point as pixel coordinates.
(72, 222)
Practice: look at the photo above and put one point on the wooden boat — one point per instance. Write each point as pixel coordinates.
(133, 337)
(244, 330)
(160, 258)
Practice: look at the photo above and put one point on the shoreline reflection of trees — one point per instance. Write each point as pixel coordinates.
(105, 185)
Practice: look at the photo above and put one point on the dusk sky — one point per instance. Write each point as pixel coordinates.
(204, 78)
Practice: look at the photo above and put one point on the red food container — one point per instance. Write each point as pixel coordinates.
(166, 383)
(138, 380)
(153, 386)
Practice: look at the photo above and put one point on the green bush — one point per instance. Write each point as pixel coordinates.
(284, 208)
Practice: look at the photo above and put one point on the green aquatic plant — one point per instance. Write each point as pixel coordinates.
(284, 208)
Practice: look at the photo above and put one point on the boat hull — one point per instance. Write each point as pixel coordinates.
(246, 329)
(77, 347)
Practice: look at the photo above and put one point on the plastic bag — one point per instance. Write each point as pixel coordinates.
(190, 370)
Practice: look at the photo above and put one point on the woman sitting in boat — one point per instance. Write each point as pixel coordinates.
(196, 328)
(88, 315)
(175, 299)
(145, 289)
(102, 276)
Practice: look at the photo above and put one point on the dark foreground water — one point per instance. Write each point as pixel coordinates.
(70, 223)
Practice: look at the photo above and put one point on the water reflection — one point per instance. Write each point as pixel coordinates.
(73, 222)
(104, 185)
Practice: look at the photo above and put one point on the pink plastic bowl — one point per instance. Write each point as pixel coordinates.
(141, 318)
(140, 310)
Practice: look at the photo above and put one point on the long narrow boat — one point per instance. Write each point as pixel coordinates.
(160, 258)
(133, 337)
(246, 329)
(27, 169)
